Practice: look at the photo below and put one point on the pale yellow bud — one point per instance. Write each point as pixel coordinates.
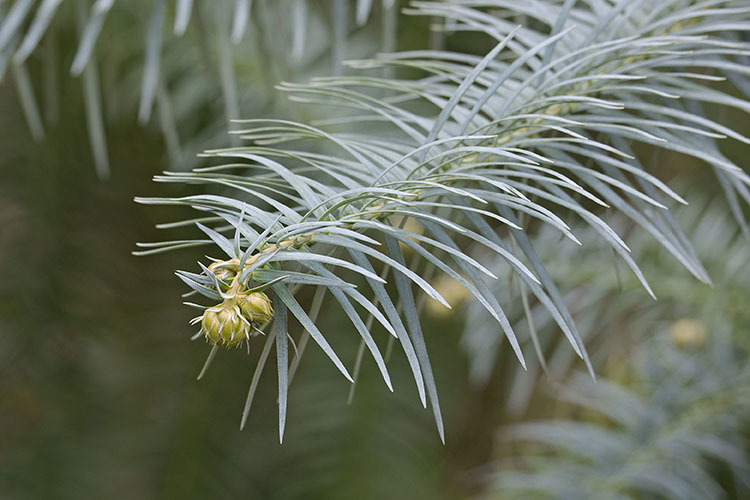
(687, 333)
(255, 307)
(223, 325)
(223, 270)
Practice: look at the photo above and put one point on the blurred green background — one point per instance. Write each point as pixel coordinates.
(98, 397)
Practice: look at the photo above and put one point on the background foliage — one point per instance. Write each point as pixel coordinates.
(98, 390)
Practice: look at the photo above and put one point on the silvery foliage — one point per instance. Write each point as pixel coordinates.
(470, 147)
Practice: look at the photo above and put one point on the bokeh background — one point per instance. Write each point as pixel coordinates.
(98, 390)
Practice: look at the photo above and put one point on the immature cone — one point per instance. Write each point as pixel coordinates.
(255, 307)
(224, 326)
(222, 271)
(229, 323)
(688, 333)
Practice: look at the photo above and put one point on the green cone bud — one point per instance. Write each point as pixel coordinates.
(229, 323)
(223, 325)
(222, 271)
(256, 307)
